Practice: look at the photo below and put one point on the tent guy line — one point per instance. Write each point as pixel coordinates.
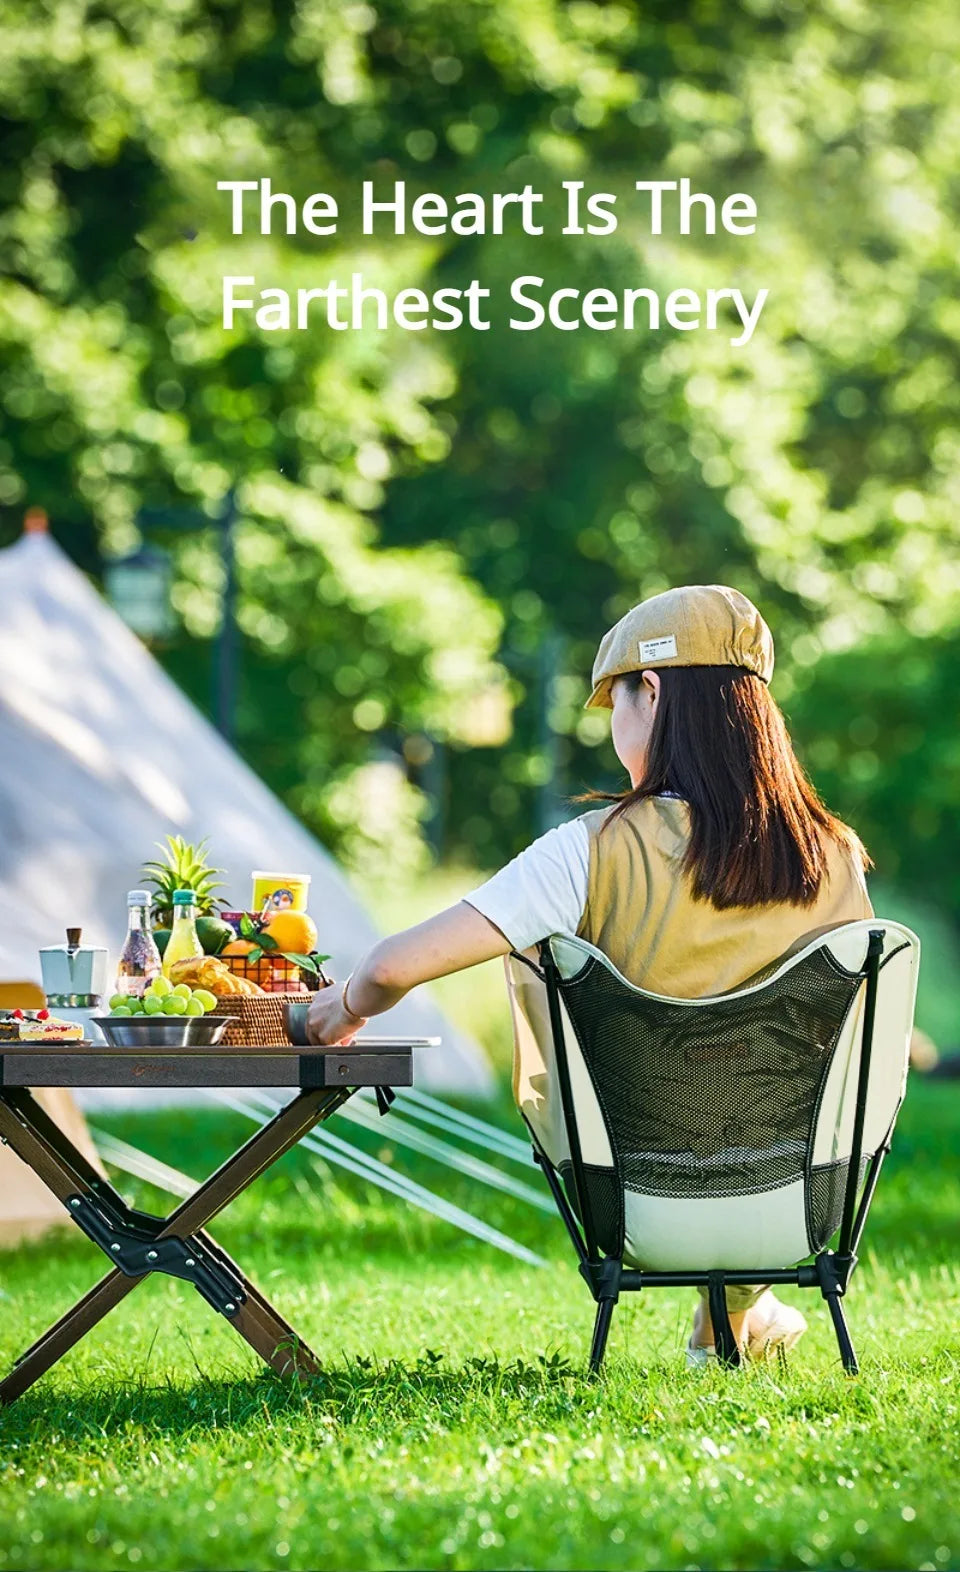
(467, 1127)
(333, 1149)
(403, 1133)
(340, 1154)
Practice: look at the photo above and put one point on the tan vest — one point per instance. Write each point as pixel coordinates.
(642, 913)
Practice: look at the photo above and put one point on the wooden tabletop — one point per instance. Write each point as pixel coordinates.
(380, 1061)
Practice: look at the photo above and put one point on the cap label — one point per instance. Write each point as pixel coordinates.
(659, 649)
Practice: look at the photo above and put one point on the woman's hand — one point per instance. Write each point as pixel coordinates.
(328, 1022)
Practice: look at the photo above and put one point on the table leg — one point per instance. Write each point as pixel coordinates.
(20, 1099)
(60, 1167)
(61, 1337)
(256, 1320)
(255, 1312)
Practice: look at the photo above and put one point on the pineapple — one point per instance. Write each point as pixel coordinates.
(184, 867)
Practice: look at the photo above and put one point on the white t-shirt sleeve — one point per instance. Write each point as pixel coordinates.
(542, 891)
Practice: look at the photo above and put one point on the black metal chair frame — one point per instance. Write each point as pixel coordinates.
(607, 1277)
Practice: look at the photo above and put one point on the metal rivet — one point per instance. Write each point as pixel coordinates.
(342, 1069)
(75, 1202)
(189, 1261)
(230, 1308)
(151, 1255)
(115, 1247)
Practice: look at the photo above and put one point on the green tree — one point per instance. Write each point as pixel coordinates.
(567, 474)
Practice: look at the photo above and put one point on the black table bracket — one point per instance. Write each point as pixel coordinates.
(137, 1250)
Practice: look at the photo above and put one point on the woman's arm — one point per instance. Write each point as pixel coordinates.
(542, 891)
(454, 939)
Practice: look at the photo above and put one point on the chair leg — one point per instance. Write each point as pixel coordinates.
(728, 1349)
(601, 1331)
(848, 1354)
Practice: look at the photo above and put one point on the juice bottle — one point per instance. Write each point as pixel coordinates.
(139, 959)
(183, 943)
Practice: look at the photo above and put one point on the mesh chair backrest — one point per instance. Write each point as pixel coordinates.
(536, 1092)
(743, 1102)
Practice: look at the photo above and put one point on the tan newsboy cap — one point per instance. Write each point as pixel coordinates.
(695, 625)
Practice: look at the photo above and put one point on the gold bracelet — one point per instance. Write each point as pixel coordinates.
(360, 1019)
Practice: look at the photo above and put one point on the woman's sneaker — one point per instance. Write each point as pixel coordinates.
(774, 1327)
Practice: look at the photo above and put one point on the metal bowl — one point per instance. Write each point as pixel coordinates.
(295, 1021)
(163, 1031)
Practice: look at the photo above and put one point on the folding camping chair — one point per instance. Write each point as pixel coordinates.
(707, 1142)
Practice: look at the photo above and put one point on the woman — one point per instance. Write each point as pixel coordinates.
(719, 860)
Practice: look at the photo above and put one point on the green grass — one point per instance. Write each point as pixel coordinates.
(453, 1426)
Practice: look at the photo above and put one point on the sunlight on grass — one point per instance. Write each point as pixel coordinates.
(453, 1425)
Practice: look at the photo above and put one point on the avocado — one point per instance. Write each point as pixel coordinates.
(213, 934)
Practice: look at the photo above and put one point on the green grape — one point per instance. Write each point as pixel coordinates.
(117, 999)
(136, 1006)
(122, 1009)
(161, 986)
(174, 1004)
(183, 990)
(207, 999)
(152, 1005)
(194, 1007)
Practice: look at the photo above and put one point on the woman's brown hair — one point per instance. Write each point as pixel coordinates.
(758, 827)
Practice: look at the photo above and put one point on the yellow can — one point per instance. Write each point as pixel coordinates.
(280, 892)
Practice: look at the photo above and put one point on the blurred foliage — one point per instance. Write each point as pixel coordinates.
(878, 726)
(566, 474)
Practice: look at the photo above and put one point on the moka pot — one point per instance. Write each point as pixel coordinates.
(75, 981)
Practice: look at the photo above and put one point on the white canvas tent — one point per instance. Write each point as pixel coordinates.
(27, 1208)
(101, 756)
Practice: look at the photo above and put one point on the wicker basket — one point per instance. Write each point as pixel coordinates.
(259, 1020)
(272, 974)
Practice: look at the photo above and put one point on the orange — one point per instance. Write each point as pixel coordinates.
(293, 931)
(238, 947)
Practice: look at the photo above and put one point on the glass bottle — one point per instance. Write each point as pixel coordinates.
(139, 959)
(183, 943)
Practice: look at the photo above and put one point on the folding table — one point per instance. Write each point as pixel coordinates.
(138, 1243)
